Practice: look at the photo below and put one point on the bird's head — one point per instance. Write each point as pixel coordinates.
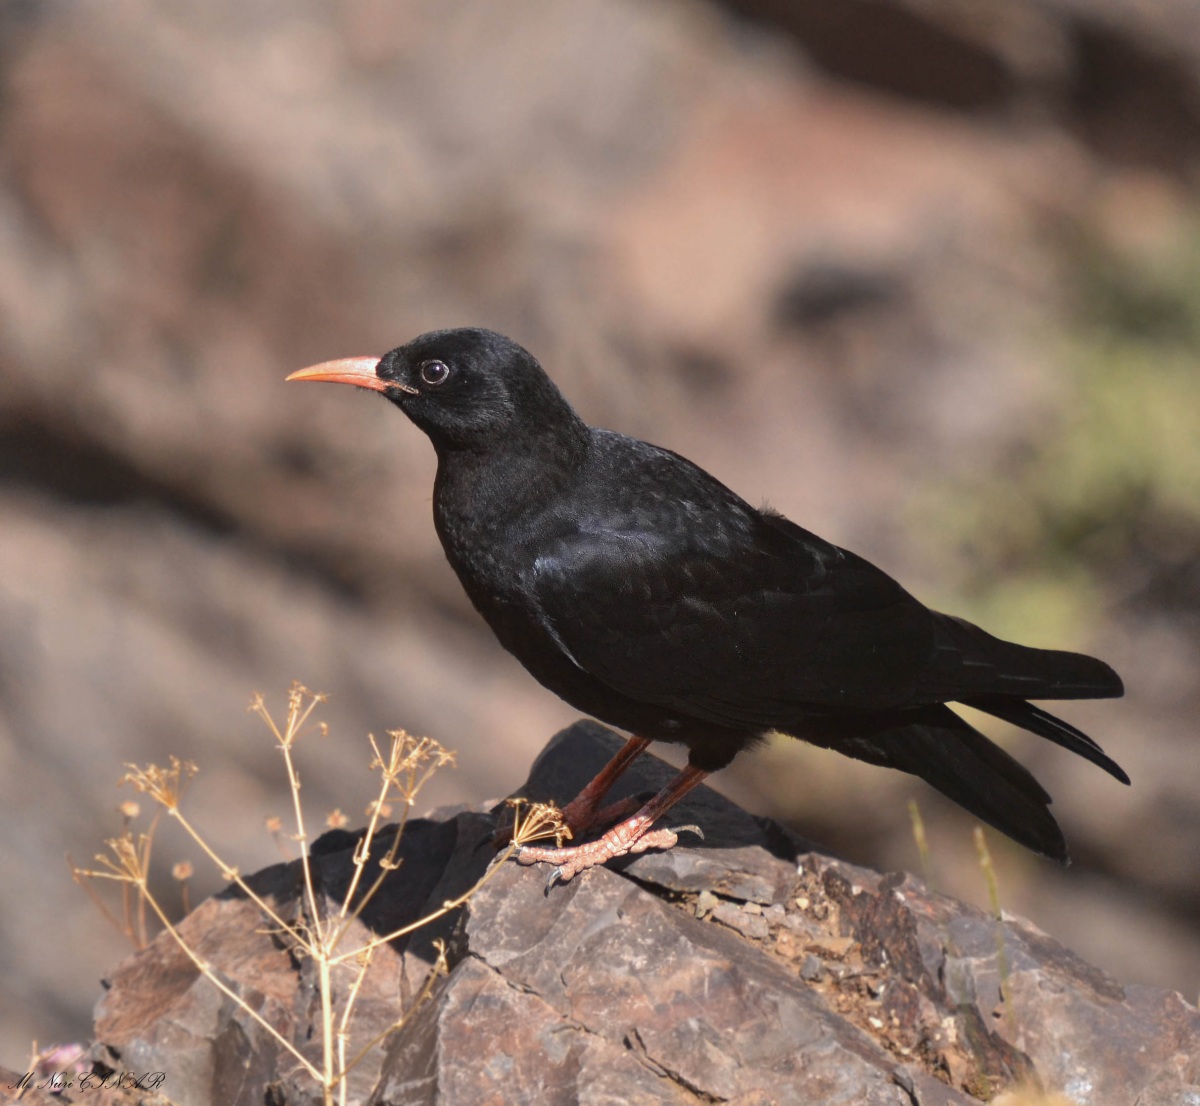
(467, 388)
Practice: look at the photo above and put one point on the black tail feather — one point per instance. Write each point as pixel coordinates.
(941, 748)
(970, 662)
(1044, 724)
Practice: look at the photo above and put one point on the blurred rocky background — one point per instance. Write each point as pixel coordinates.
(924, 276)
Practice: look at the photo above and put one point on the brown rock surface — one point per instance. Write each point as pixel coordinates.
(627, 985)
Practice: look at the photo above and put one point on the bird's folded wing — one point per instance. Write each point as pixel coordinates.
(742, 630)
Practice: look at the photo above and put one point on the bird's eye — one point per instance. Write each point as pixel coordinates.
(434, 372)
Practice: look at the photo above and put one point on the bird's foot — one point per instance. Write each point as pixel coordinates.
(628, 838)
(633, 835)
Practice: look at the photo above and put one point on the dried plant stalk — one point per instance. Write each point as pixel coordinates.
(319, 934)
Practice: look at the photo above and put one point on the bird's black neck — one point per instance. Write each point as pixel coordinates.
(489, 490)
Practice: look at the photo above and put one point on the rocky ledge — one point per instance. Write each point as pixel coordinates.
(747, 968)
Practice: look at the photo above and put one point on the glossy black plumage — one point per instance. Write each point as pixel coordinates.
(647, 594)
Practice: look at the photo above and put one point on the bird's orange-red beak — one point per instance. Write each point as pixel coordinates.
(359, 371)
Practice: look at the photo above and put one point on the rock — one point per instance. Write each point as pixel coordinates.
(612, 988)
(741, 919)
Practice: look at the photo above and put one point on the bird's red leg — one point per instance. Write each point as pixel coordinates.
(634, 835)
(581, 813)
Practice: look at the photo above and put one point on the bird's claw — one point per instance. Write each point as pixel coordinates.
(569, 862)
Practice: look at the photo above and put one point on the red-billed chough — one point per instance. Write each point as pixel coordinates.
(644, 592)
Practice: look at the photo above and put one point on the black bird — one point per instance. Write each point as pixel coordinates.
(644, 592)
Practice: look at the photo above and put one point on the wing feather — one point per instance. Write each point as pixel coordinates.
(743, 628)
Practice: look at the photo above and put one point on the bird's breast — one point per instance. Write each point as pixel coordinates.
(485, 549)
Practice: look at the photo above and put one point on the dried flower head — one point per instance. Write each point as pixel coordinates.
(301, 703)
(164, 785)
(537, 823)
